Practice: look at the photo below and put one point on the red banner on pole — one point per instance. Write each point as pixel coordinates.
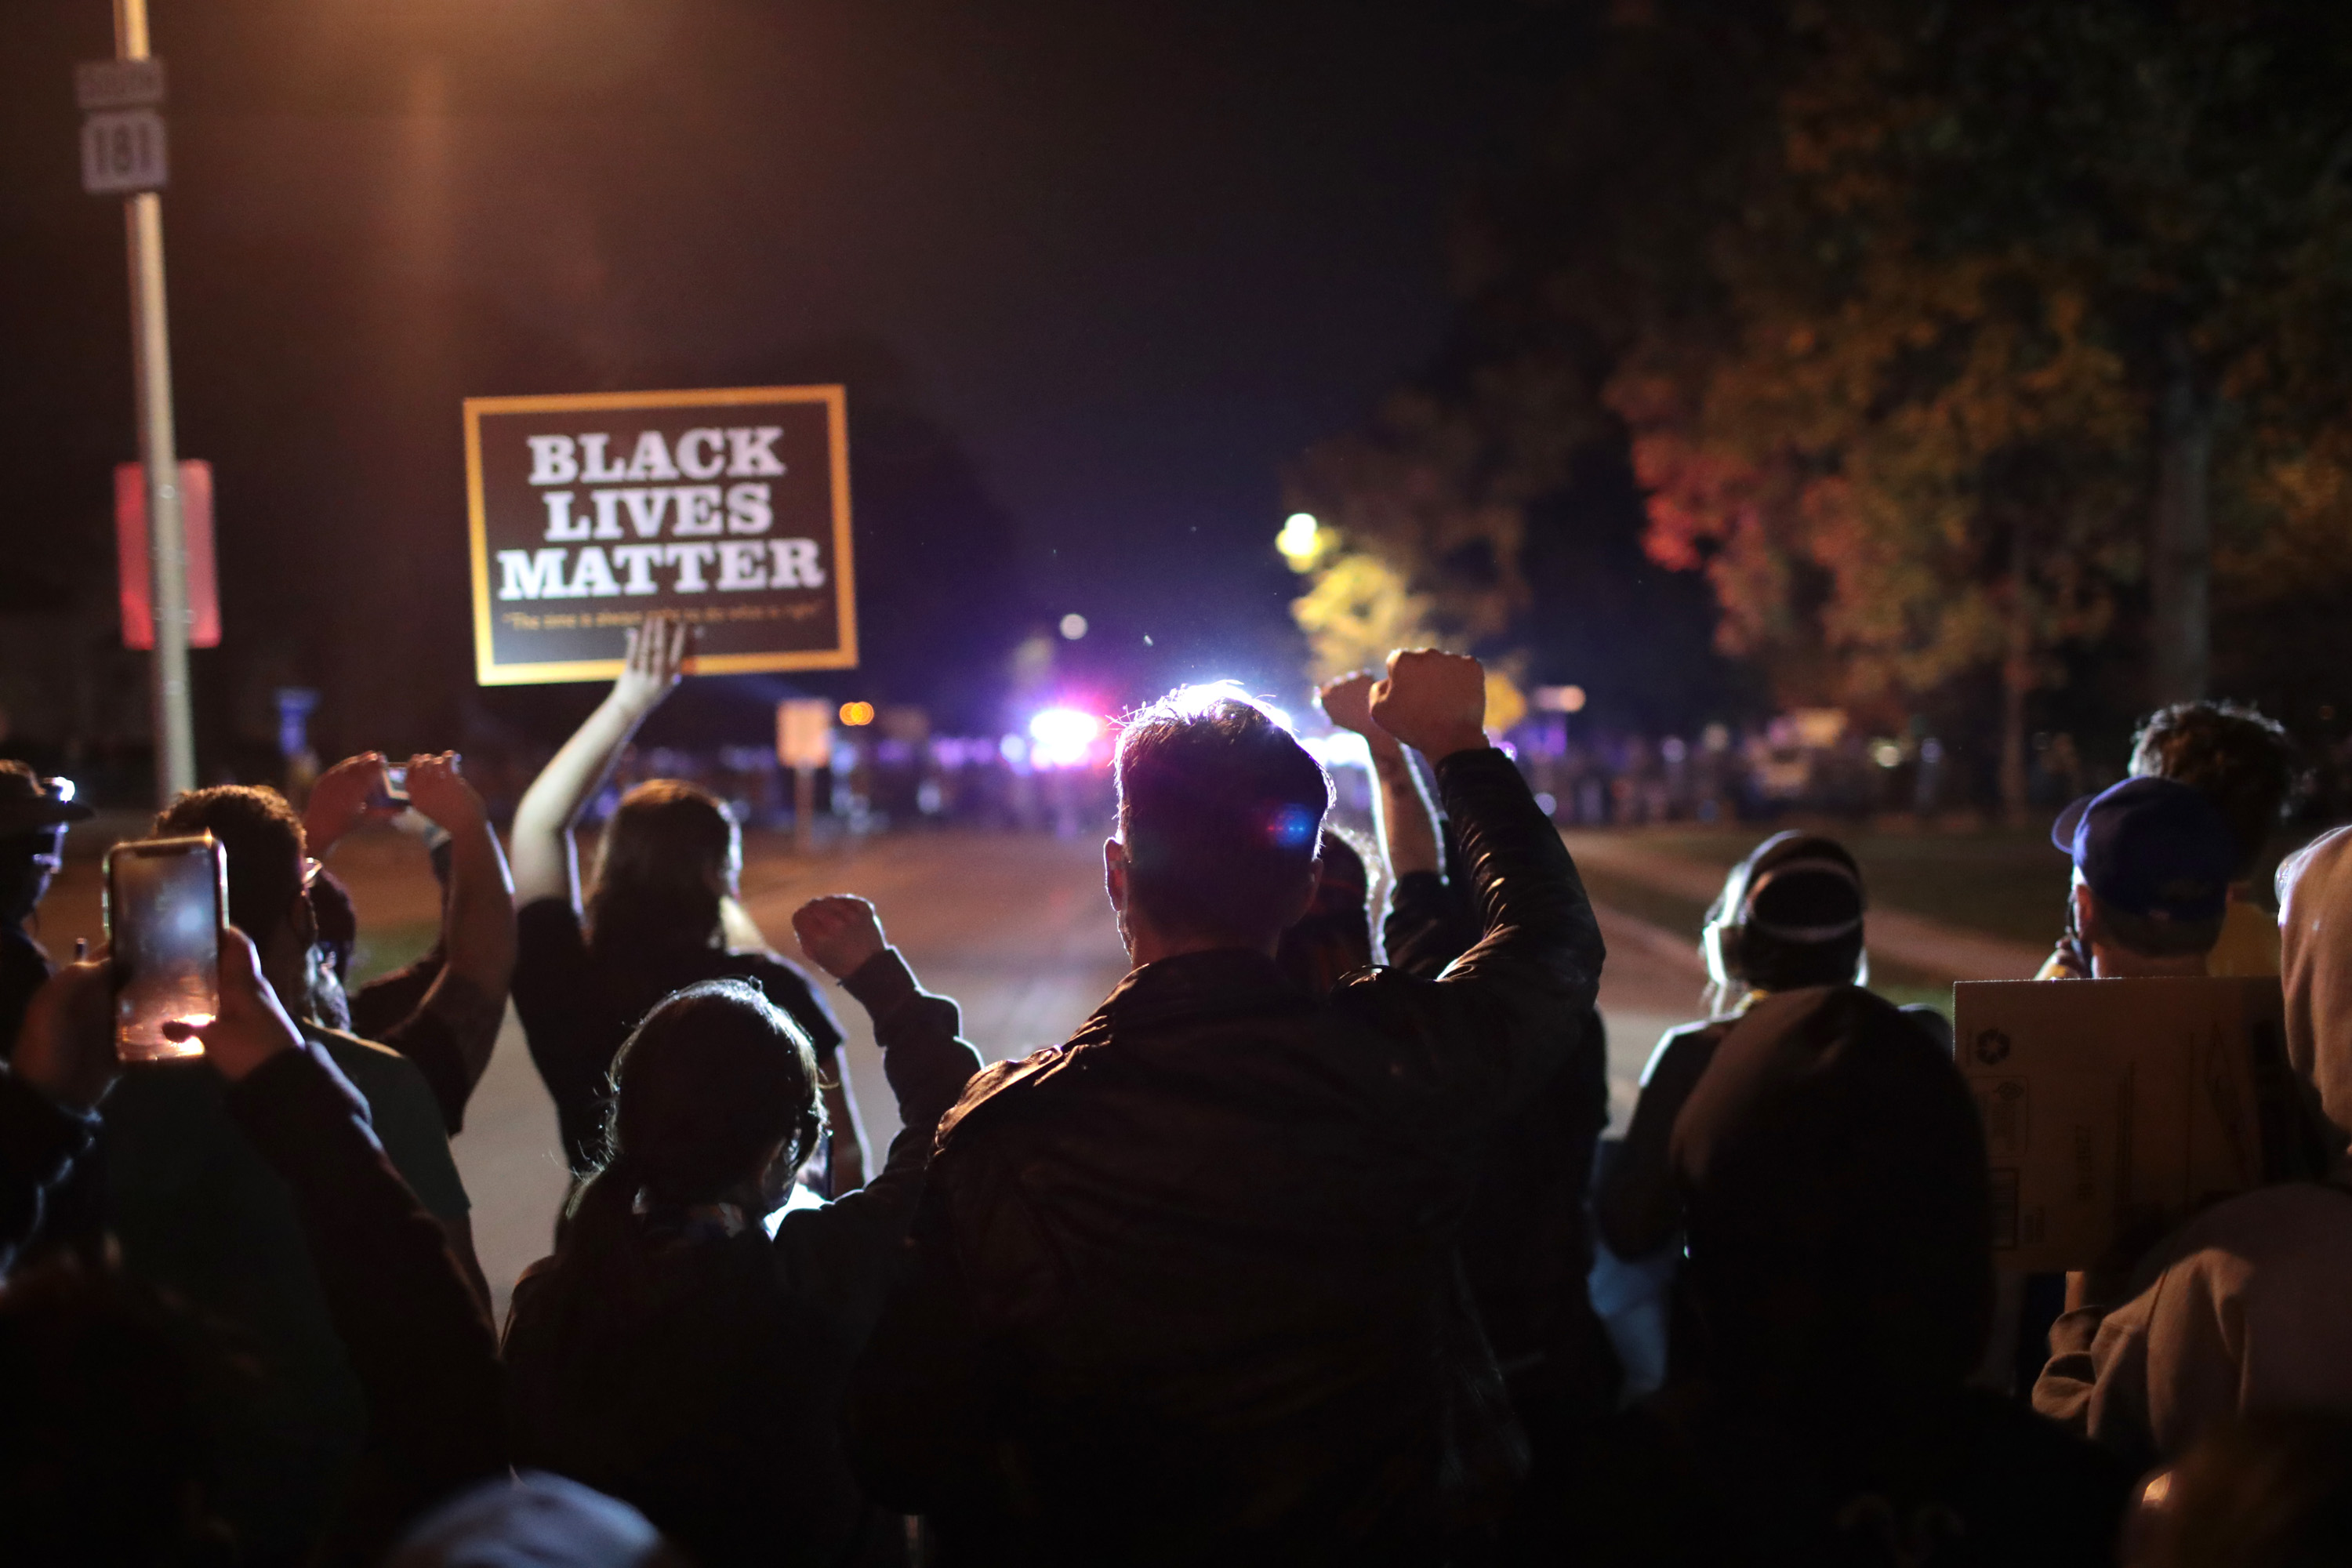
(132, 568)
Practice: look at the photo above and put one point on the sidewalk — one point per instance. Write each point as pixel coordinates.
(1912, 940)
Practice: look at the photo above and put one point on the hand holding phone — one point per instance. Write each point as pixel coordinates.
(251, 1025)
(166, 903)
(354, 790)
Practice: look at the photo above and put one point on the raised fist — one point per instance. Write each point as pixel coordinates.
(1348, 702)
(1435, 703)
(839, 933)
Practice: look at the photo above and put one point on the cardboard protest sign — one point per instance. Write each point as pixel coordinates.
(2115, 1109)
(727, 509)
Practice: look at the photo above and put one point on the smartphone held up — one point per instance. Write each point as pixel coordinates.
(392, 793)
(166, 901)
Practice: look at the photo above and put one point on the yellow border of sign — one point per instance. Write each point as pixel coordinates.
(843, 655)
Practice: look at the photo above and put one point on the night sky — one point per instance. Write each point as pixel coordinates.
(1130, 259)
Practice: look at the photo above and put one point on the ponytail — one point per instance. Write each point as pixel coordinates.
(599, 1257)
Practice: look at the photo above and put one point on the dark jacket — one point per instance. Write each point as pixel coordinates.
(1186, 1287)
(1527, 1241)
(419, 1338)
(39, 1141)
(1840, 1282)
(713, 1400)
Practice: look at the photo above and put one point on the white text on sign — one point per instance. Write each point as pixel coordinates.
(630, 510)
(733, 566)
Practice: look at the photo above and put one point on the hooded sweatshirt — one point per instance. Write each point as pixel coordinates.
(2245, 1307)
(1833, 1171)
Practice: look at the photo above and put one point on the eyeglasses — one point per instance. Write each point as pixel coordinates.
(310, 870)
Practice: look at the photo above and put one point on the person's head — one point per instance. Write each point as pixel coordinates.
(1789, 915)
(669, 855)
(533, 1518)
(1334, 937)
(1219, 821)
(2268, 1490)
(2234, 756)
(34, 813)
(261, 841)
(2314, 894)
(715, 1100)
(105, 1441)
(2152, 863)
(1839, 1210)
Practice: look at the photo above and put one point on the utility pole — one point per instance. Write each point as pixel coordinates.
(151, 342)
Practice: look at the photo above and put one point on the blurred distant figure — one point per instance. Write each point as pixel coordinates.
(442, 1011)
(2267, 1491)
(34, 815)
(660, 915)
(2241, 1308)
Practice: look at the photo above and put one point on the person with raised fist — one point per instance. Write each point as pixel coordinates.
(1185, 1289)
(687, 1347)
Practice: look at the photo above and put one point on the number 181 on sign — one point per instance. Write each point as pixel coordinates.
(122, 151)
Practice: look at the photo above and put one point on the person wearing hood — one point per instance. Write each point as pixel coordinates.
(2241, 1308)
(1832, 1170)
(1789, 916)
(34, 815)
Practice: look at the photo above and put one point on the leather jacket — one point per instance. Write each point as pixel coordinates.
(1187, 1288)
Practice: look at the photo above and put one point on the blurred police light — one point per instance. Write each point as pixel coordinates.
(1062, 737)
(1559, 699)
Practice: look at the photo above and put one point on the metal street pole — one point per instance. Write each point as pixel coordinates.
(167, 558)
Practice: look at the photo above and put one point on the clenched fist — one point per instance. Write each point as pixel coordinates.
(1435, 703)
(1348, 702)
(839, 933)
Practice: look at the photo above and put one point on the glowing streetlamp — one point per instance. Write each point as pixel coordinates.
(1300, 541)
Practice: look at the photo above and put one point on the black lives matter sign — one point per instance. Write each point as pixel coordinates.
(729, 509)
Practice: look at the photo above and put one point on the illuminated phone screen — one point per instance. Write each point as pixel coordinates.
(164, 915)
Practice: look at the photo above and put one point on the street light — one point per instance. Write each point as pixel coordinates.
(1300, 540)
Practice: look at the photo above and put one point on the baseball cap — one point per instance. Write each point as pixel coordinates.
(2151, 847)
(31, 803)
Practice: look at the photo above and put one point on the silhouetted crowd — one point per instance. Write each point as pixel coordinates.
(1294, 1253)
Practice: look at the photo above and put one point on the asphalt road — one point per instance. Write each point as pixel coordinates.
(1014, 927)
